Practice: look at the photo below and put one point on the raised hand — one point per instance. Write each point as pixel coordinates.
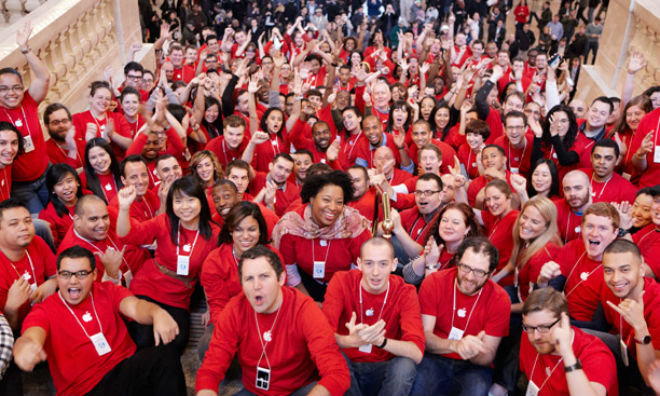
(646, 146)
(550, 270)
(18, 294)
(632, 311)
(636, 62)
(535, 126)
(259, 137)
(253, 85)
(625, 214)
(519, 183)
(28, 353)
(333, 151)
(111, 260)
(126, 196)
(562, 335)
(23, 35)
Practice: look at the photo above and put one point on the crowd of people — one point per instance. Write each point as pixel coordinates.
(366, 171)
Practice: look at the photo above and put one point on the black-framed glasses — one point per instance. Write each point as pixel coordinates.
(543, 329)
(426, 193)
(82, 274)
(466, 269)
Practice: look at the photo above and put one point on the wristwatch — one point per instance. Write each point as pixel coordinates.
(644, 341)
(622, 232)
(576, 366)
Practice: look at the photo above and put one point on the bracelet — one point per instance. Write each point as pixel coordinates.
(576, 366)
(401, 147)
(25, 51)
(381, 346)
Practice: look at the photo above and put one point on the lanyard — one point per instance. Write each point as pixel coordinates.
(522, 156)
(325, 260)
(178, 235)
(352, 142)
(27, 125)
(412, 227)
(453, 314)
(90, 243)
(591, 182)
(78, 320)
(67, 155)
(104, 122)
(34, 275)
(150, 212)
(497, 224)
(382, 308)
(582, 279)
(267, 337)
(531, 375)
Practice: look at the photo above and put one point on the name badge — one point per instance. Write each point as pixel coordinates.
(100, 344)
(656, 154)
(515, 170)
(365, 348)
(323, 160)
(624, 352)
(455, 334)
(182, 265)
(262, 380)
(532, 389)
(28, 144)
(319, 270)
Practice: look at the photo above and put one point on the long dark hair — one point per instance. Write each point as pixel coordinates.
(400, 104)
(239, 212)
(434, 126)
(214, 129)
(54, 175)
(190, 187)
(554, 173)
(263, 125)
(570, 136)
(93, 183)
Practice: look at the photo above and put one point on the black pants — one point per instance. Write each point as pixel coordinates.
(143, 335)
(150, 371)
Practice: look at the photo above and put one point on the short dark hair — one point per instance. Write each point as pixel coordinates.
(478, 127)
(286, 156)
(620, 245)
(496, 146)
(545, 298)
(11, 70)
(432, 177)
(608, 143)
(515, 114)
(132, 65)
(479, 244)
(163, 158)
(314, 183)
(132, 158)
(51, 108)
(11, 203)
(8, 126)
(75, 252)
(605, 100)
(128, 91)
(305, 152)
(238, 164)
(260, 251)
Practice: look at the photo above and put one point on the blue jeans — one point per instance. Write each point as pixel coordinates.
(33, 194)
(300, 392)
(392, 377)
(438, 375)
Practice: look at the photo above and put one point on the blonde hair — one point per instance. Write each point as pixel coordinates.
(520, 255)
(201, 155)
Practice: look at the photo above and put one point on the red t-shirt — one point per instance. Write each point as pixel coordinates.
(597, 363)
(400, 312)
(143, 209)
(584, 280)
(499, 233)
(37, 265)
(303, 252)
(648, 241)
(30, 165)
(58, 225)
(529, 273)
(223, 152)
(365, 152)
(303, 347)
(134, 256)
(265, 152)
(5, 183)
(184, 73)
(73, 361)
(480, 182)
(283, 196)
(617, 189)
(517, 160)
(220, 278)
(151, 281)
(488, 309)
(58, 155)
(568, 222)
(416, 225)
(120, 125)
(649, 124)
(469, 159)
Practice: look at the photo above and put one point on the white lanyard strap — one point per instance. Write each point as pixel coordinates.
(382, 308)
(453, 313)
(76, 318)
(325, 260)
(178, 235)
(34, 275)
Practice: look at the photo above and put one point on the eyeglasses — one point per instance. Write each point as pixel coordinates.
(133, 77)
(59, 122)
(466, 269)
(426, 193)
(543, 329)
(78, 274)
(15, 88)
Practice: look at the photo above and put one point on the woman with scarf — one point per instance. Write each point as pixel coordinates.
(323, 236)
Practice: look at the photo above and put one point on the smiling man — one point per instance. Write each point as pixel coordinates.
(606, 184)
(630, 303)
(87, 317)
(579, 363)
(283, 341)
(231, 144)
(577, 198)
(274, 188)
(516, 143)
(462, 336)
(92, 230)
(134, 172)
(377, 322)
(578, 269)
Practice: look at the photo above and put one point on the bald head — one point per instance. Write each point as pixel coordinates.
(85, 201)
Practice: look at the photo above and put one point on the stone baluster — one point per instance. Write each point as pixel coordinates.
(14, 10)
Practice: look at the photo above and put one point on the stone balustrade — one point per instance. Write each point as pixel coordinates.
(78, 40)
(629, 25)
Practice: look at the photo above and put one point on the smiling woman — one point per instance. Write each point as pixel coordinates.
(307, 236)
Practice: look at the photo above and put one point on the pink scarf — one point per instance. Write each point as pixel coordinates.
(349, 224)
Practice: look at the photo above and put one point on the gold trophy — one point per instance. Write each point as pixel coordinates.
(387, 224)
